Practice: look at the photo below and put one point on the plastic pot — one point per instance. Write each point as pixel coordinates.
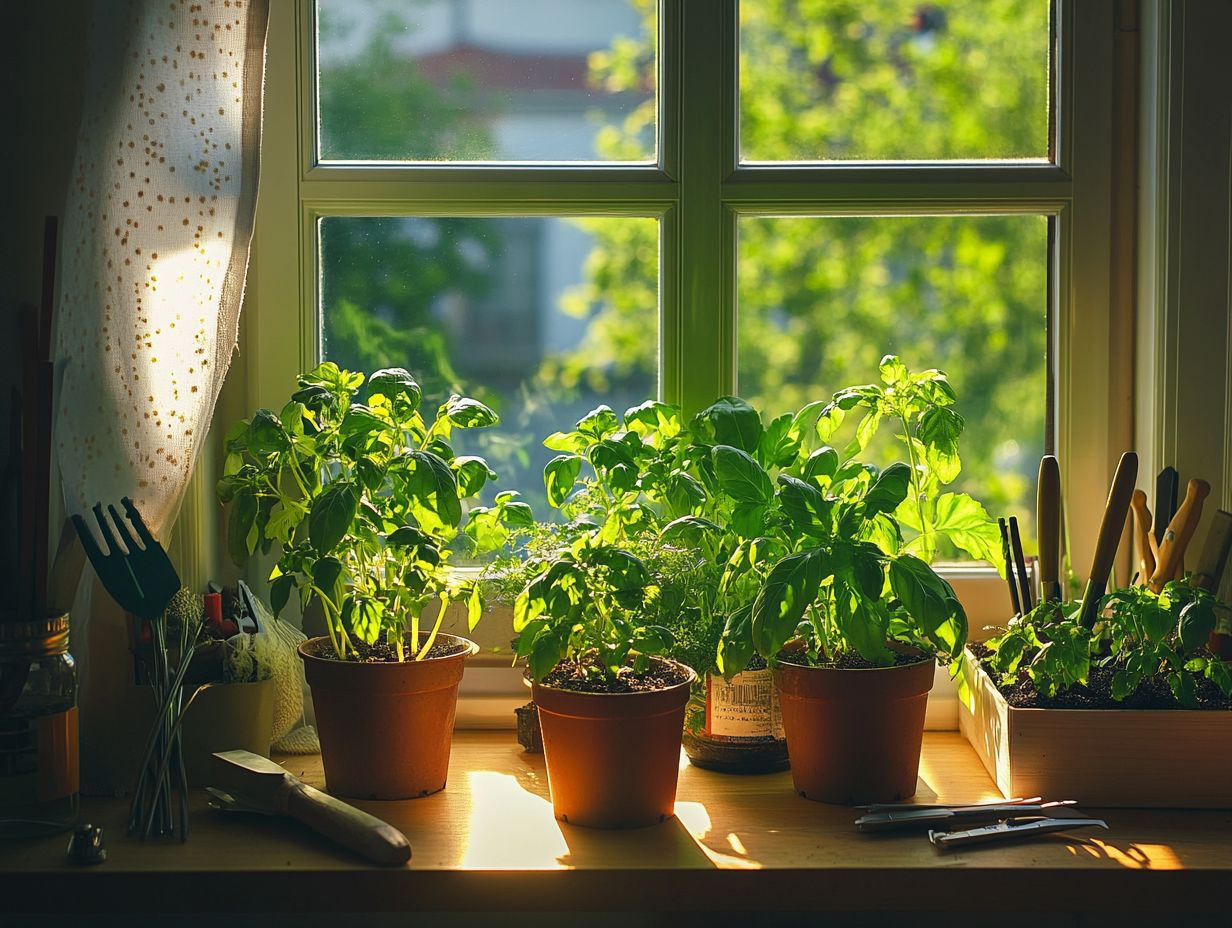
(613, 758)
(385, 728)
(854, 735)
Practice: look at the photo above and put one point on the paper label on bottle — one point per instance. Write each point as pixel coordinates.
(744, 708)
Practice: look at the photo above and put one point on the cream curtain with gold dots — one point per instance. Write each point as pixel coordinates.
(155, 244)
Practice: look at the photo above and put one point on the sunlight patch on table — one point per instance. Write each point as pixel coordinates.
(510, 828)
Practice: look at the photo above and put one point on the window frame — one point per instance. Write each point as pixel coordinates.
(698, 190)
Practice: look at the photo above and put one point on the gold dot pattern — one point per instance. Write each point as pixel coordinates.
(157, 229)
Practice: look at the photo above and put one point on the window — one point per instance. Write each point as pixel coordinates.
(591, 201)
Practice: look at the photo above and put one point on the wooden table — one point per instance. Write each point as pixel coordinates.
(490, 842)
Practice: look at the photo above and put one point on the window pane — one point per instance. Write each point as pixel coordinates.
(504, 310)
(834, 80)
(487, 80)
(821, 300)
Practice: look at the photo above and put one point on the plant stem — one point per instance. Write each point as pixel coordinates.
(916, 491)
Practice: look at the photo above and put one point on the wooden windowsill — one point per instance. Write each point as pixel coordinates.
(490, 842)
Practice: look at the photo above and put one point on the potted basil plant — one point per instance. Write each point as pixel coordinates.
(611, 707)
(363, 500)
(646, 479)
(852, 616)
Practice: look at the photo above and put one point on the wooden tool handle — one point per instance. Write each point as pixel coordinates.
(1178, 533)
(1048, 524)
(1109, 538)
(1214, 556)
(353, 828)
(1143, 538)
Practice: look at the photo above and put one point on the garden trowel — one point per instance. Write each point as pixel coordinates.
(247, 782)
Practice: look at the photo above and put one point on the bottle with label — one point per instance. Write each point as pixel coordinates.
(39, 773)
(742, 731)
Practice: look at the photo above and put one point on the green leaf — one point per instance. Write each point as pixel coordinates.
(572, 442)
(280, 592)
(748, 520)
(474, 607)
(365, 617)
(684, 494)
(516, 515)
(829, 420)
(821, 463)
(865, 431)
(940, 428)
(547, 650)
(736, 645)
(741, 477)
(789, 589)
(653, 420)
(240, 522)
(394, 381)
(471, 473)
(1197, 623)
(888, 490)
(467, 413)
(808, 510)
(865, 625)
(599, 423)
(930, 602)
(327, 577)
(1183, 689)
(728, 421)
(689, 531)
(892, 370)
(779, 445)
(1125, 683)
(331, 515)
(966, 523)
(559, 476)
(433, 484)
(266, 434)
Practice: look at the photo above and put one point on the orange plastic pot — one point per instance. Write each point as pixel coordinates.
(854, 735)
(386, 728)
(612, 758)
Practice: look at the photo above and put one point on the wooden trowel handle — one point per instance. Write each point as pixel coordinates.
(1143, 538)
(1109, 538)
(353, 828)
(1178, 533)
(1048, 524)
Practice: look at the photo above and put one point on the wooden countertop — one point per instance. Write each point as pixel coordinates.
(490, 842)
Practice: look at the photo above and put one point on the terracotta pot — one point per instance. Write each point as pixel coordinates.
(613, 758)
(385, 729)
(854, 735)
(224, 717)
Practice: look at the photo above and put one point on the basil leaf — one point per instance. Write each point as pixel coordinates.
(559, 476)
(599, 423)
(395, 381)
(741, 477)
(792, 585)
(433, 484)
(808, 510)
(331, 515)
(240, 523)
(888, 490)
(728, 421)
(467, 413)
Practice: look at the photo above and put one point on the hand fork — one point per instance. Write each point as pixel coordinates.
(142, 578)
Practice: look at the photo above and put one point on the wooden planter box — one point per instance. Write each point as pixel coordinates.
(1100, 757)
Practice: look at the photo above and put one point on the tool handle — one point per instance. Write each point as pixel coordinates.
(353, 828)
(1020, 567)
(1048, 524)
(1143, 538)
(1178, 533)
(1214, 557)
(1109, 537)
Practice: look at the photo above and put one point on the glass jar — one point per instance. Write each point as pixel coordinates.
(39, 773)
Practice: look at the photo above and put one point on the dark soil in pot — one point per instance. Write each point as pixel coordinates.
(613, 752)
(382, 653)
(1152, 693)
(854, 734)
(386, 727)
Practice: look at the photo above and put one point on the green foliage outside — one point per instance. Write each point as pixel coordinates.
(820, 299)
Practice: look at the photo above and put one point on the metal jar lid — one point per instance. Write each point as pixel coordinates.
(40, 638)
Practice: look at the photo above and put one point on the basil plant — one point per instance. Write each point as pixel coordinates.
(363, 499)
(1139, 636)
(859, 539)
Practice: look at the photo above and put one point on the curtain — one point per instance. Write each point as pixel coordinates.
(153, 254)
(154, 250)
